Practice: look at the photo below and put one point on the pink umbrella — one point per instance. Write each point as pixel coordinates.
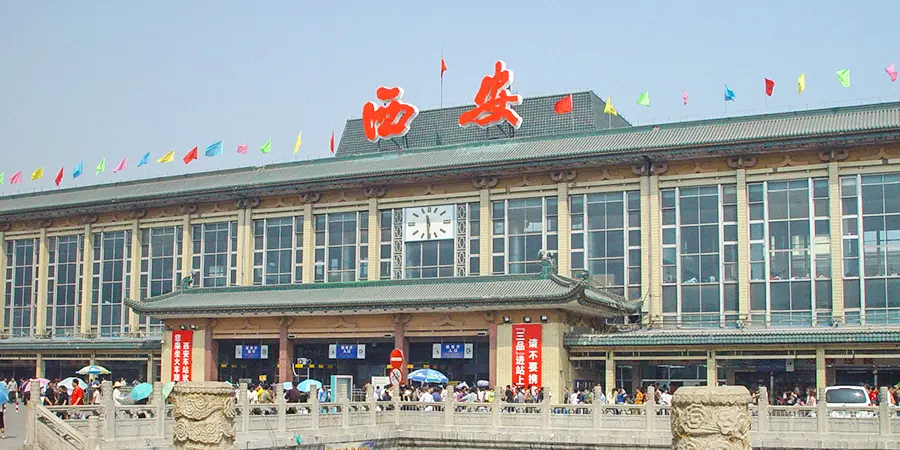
(27, 386)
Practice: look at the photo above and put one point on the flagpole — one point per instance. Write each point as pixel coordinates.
(442, 78)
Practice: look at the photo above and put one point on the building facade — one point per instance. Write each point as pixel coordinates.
(748, 250)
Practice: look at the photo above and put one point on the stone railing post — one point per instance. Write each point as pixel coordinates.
(821, 412)
(762, 409)
(314, 409)
(31, 411)
(496, 406)
(281, 404)
(545, 413)
(650, 408)
(92, 441)
(597, 408)
(204, 415)
(449, 409)
(711, 417)
(244, 403)
(159, 406)
(372, 405)
(109, 411)
(395, 399)
(884, 411)
(345, 412)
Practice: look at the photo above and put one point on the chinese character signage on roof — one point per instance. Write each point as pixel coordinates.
(493, 102)
(527, 354)
(182, 349)
(389, 117)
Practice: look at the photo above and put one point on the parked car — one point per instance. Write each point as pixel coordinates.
(848, 402)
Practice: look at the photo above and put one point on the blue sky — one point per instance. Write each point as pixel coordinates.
(92, 79)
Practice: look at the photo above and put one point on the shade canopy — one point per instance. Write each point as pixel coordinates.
(428, 376)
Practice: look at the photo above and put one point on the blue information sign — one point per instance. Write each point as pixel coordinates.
(452, 351)
(347, 351)
(251, 351)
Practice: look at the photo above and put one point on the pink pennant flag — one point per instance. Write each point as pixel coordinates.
(684, 98)
(891, 72)
(120, 167)
(242, 148)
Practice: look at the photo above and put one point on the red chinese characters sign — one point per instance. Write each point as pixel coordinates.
(388, 118)
(527, 354)
(493, 101)
(182, 350)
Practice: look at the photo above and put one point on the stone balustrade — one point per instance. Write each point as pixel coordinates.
(506, 424)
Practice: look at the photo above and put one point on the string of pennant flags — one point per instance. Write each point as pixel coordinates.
(377, 125)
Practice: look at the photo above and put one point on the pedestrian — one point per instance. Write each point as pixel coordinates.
(13, 389)
(3, 421)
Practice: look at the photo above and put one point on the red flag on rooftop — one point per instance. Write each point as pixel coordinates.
(191, 155)
(770, 87)
(564, 105)
(332, 141)
(443, 67)
(59, 176)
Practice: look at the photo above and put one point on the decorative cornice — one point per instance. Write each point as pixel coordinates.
(139, 213)
(89, 219)
(310, 197)
(5, 226)
(741, 161)
(834, 155)
(484, 182)
(648, 168)
(247, 203)
(188, 208)
(563, 176)
(374, 192)
(45, 223)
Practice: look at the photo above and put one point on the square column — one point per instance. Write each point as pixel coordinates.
(2, 281)
(485, 240)
(837, 260)
(42, 272)
(244, 234)
(564, 229)
(492, 359)
(187, 249)
(87, 269)
(743, 236)
(821, 370)
(646, 273)
(135, 269)
(655, 250)
(401, 342)
(309, 244)
(374, 243)
(285, 352)
(610, 373)
(712, 369)
(504, 354)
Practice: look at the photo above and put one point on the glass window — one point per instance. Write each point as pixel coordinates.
(341, 246)
(112, 259)
(64, 284)
(278, 250)
(21, 286)
(522, 229)
(215, 254)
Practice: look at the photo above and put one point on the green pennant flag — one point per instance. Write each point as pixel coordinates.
(1, 178)
(102, 166)
(844, 77)
(644, 99)
(267, 147)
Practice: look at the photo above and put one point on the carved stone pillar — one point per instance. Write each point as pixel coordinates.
(711, 417)
(204, 415)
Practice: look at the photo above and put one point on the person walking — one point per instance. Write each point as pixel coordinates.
(13, 389)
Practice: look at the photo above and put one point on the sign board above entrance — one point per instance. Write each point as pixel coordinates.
(347, 351)
(251, 351)
(452, 351)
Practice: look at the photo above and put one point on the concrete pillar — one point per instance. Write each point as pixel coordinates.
(201, 416)
(151, 364)
(545, 413)
(837, 260)
(159, 406)
(655, 250)
(821, 412)
(244, 232)
(281, 403)
(564, 234)
(485, 242)
(711, 417)
(821, 369)
(646, 279)
(244, 402)
(187, 249)
(555, 364)
(40, 322)
(597, 408)
(504, 354)
(496, 405)
(401, 342)
(39, 368)
(315, 410)
(285, 372)
(884, 411)
(87, 269)
(374, 254)
(650, 408)
(92, 440)
(3, 329)
(762, 409)
(743, 227)
(109, 411)
(449, 409)
(610, 379)
(309, 244)
(211, 355)
(712, 371)
(492, 359)
(134, 287)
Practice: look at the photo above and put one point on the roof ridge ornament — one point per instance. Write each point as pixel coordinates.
(187, 282)
(548, 263)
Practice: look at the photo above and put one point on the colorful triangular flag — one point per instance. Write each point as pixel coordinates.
(191, 155)
(609, 108)
(443, 67)
(801, 84)
(37, 174)
(214, 149)
(168, 157)
(16, 178)
(644, 99)
(331, 143)
(101, 166)
(729, 94)
(120, 167)
(1, 178)
(770, 87)
(77, 172)
(267, 147)
(242, 148)
(144, 159)
(684, 98)
(844, 77)
(299, 142)
(59, 176)
(891, 72)
(564, 105)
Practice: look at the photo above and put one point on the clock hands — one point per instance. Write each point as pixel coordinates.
(428, 226)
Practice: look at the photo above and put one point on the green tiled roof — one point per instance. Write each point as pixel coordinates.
(470, 293)
(824, 127)
(68, 344)
(686, 338)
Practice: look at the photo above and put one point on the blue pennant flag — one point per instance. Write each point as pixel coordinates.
(214, 149)
(77, 172)
(729, 94)
(144, 160)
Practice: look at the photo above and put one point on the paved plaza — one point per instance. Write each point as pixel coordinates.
(15, 428)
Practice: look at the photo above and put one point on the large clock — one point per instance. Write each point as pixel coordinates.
(428, 223)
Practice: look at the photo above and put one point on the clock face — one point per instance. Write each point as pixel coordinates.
(428, 223)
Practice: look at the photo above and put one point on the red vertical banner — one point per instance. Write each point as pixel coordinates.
(182, 351)
(527, 354)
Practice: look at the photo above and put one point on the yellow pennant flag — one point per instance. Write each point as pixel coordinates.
(801, 83)
(297, 145)
(168, 157)
(37, 174)
(609, 108)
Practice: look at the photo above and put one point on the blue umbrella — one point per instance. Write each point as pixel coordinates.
(141, 391)
(93, 370)
(287, 385)
(4, 395)
(307, 385)
(428, 376)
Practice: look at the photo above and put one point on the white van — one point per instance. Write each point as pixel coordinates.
(848, 398)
